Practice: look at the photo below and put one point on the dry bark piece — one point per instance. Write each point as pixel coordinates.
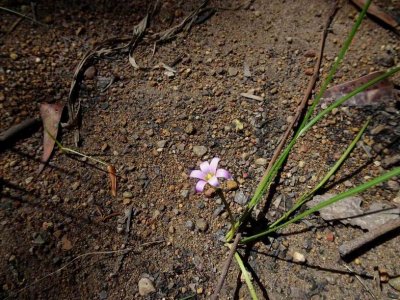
(51, 116)
(377, 94)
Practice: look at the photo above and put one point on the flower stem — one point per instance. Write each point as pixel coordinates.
(222, 196)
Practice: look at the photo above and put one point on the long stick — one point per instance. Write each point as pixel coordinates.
(226, 267)
(349, 247)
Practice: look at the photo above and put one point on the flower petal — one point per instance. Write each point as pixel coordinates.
(214, 165)
(222, 173)
(205, 167)
(197, 174)
(200, 186)
(213, 181)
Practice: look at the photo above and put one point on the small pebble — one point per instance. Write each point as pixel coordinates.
(13, 56)
(201, 225)
(189, 129)
(241, 198)
(232, 71)
(104, 147)
(232, 185)
(260, 161)
(298, 257)
(330, 237)
(189, 225)
(75, 185)
(185, 194)
(161, 144)
(146, 286)
(393, 185)
(390, 160)
(348, 183)
(127, 194)
(199, 150)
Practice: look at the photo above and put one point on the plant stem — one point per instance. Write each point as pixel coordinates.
(65, 149)
(84, 155)
(246, 276)
(222, 196)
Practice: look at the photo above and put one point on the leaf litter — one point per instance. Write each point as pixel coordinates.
(51, 116)
(349, 212)
(380, 93)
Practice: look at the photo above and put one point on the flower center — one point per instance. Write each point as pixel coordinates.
(209, 176)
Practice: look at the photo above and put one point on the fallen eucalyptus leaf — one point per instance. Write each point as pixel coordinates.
(51, 116)
(377, 94)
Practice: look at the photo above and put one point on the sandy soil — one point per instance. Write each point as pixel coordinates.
(148, 124)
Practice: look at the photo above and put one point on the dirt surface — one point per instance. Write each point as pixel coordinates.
(148, 124)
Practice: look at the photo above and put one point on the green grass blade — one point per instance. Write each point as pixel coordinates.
(65, 149)
(331, 172)
(246, 276)
(337, 63)
(266, 181)
(341, 196)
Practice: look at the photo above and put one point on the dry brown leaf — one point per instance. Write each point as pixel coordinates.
(51, 116)
(377, 94)
(113, 179)
(349, 211)
(377, 12)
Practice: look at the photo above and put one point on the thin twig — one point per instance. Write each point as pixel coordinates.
(21, 15)
(308, 92)
(349, 247)
(81, 256)
(361, 281)
(226, 267)
(14, 25)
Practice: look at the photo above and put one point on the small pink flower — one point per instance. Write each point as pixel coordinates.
(209, 173)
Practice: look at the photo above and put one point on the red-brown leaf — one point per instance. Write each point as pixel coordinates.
(113, 179)
(51, 115)
(377, 94)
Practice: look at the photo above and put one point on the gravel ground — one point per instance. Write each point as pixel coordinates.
(155, 127)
